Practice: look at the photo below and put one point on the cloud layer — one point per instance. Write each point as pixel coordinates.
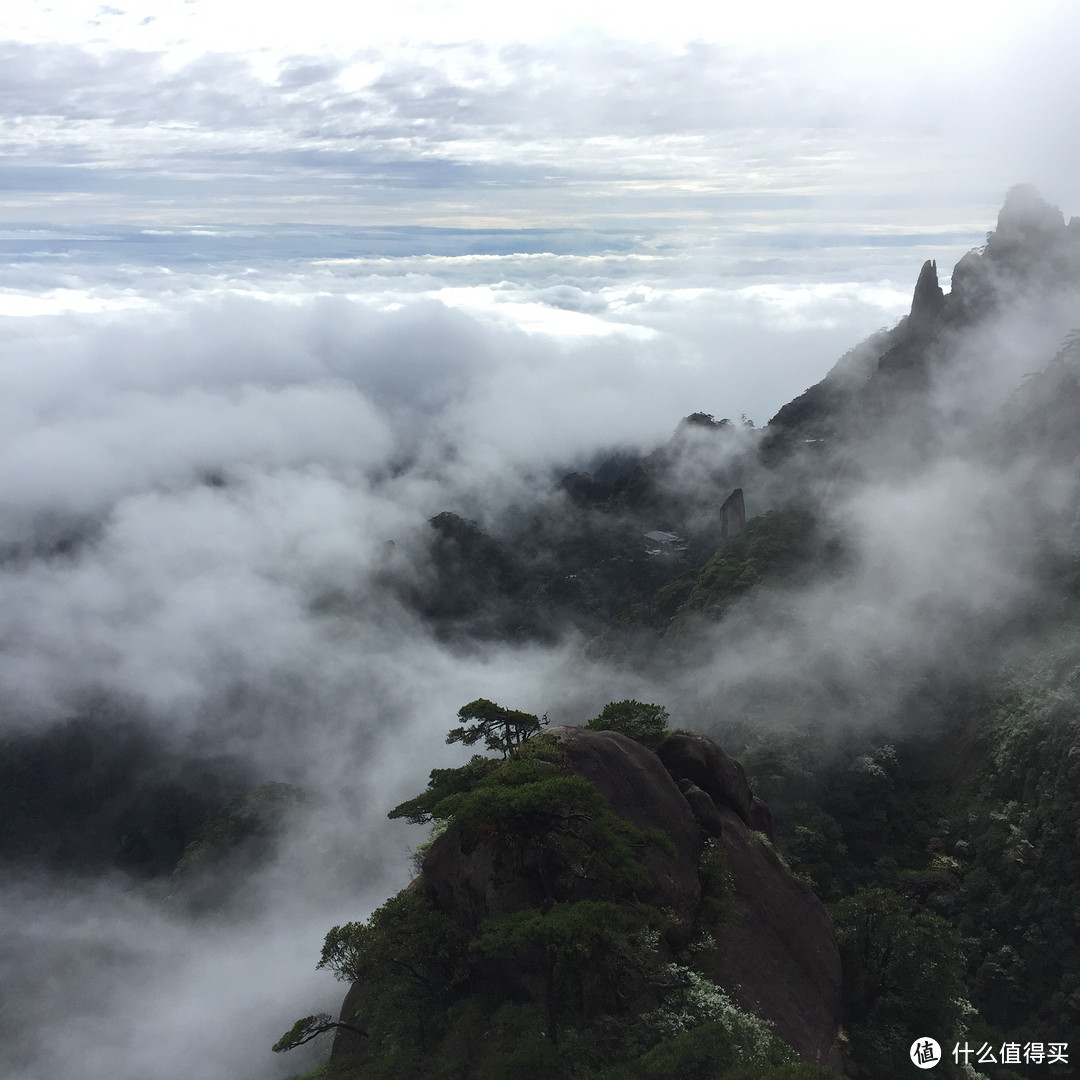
(591, 127)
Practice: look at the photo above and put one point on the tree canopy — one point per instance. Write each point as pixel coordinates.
(639, 720)
(503, 730)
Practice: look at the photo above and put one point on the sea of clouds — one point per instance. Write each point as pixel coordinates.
(203, 460)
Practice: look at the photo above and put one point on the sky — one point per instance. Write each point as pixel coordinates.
(781, 168)
(747, 175)
(778, 117)
(280, 283)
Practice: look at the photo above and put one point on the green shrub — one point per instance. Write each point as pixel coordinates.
(639, 720)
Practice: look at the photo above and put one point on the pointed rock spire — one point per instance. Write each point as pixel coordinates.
(928, 300)
(732, 516)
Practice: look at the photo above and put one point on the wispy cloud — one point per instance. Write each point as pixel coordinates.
(579, 131)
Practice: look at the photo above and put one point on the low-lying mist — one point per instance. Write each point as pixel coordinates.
(207, 509)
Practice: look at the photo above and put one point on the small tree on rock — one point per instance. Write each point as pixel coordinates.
(501, 729)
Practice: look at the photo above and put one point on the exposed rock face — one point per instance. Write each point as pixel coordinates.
(1030, 263)
(761, 818)
(1032, 249)
(778, 956)
(704, 809)
(698, 759)
(1026, 220)
(636, 787)
(928, 301)
(775, 953)
(972, 289)
(732, 515)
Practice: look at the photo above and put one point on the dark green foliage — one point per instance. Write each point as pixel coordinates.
(660, 840)
(444, 783)
(706, 420)
(542, 747)
(815, 844)
(100, 792)
(712, 1051)
(964, 837)
(795, 1071)
(250, 821)
(717, 884)
(670, 598)
(778, 545)
(580, 930)
(702, 1053)
(469, 572)
(903, 977)
(851, 816)
(581, 985)
(524, 797)
(308, 1028)
(531, 801)
(406, 941)
(405, 962)
(1015, 845)
(533, 1058)
(639, 720)
(579, 951)
(301, 1031)
(503, 730)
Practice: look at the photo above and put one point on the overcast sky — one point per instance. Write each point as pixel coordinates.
(763, 180)
(776, 116)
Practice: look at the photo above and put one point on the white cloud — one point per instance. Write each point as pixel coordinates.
(515, 129)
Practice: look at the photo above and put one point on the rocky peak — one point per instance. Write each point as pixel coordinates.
(1031, 250)
(1027, 218)
(928, 301)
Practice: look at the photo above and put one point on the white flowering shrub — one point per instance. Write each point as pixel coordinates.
(695, 1000)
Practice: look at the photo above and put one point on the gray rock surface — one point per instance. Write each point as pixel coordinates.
(928, 301)
(704, 809)
(699, 759)
(777, 955)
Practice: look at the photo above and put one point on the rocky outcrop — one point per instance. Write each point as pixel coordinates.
(732, 515)
(761, 818)
(928, 301)
(698, 759)
(1027, 226)
(703, 808)
(635, 786)
(776, 954)
(1030, 263)
(474, 879)
(773, 947)
(1032, 251)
